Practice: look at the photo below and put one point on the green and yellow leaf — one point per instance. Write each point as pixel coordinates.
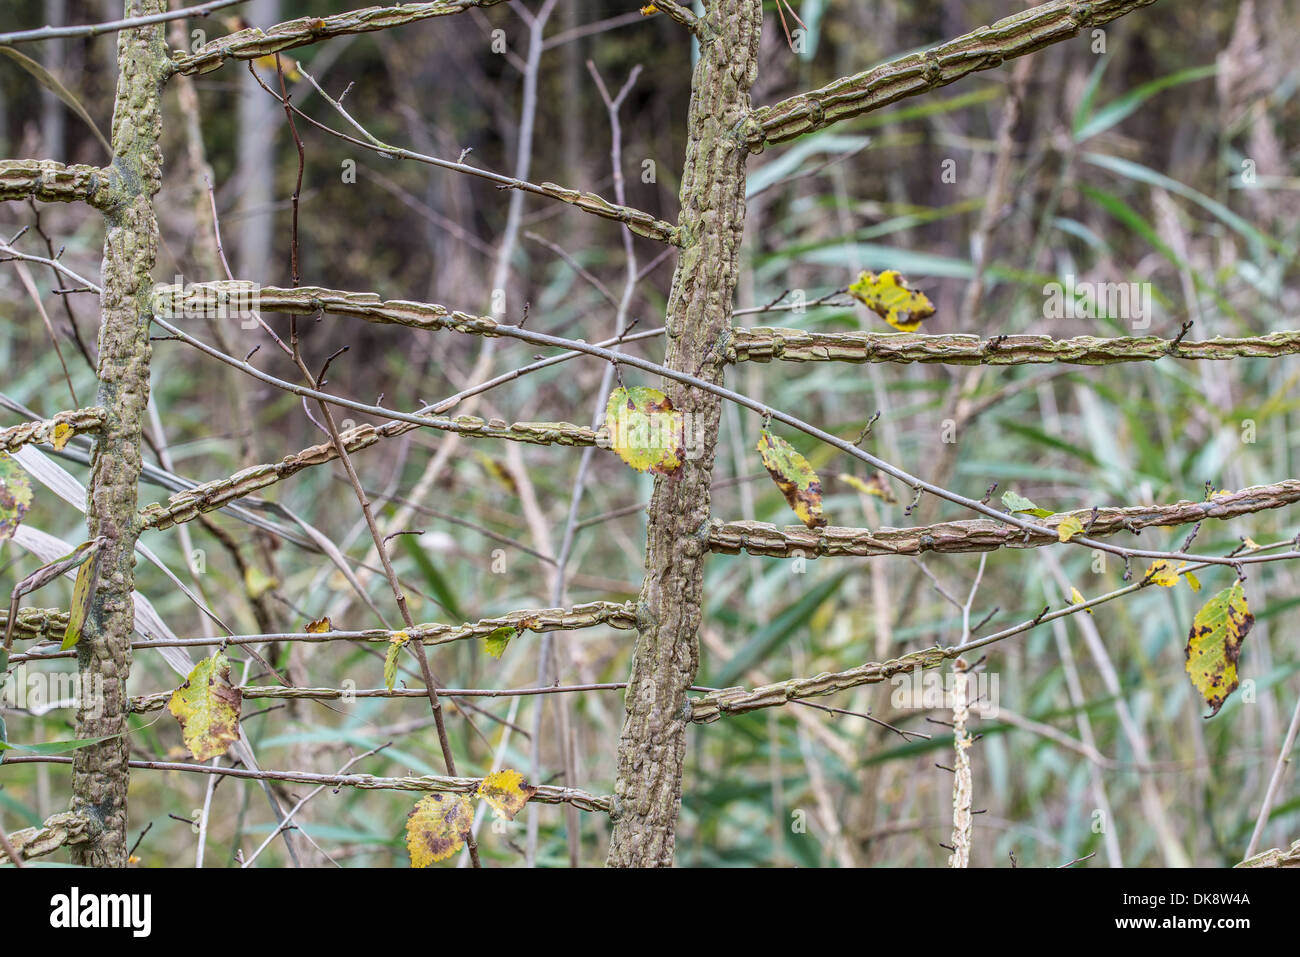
(888, 296)
(1076, 598)
(794, 477)
(438, 827)
(395, 645)
(62, 432)
(506, 791)
(207, 707)
(320, 626)
(495, 643)
(645, 431)
(15, 495)
(877, 485)
(1015, 502)
(1214, 645)
(83, 592)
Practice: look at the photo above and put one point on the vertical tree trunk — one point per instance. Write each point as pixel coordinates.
(99, 772)
(648, 790)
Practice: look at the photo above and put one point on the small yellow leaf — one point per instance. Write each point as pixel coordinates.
(1163, 574)
(499, 472)
(267, 63)
(395, 645)
(1077, 599)
(645, 431)
(888, 296)
(794, 477)
(207, 707)
(506, 791)
(62, 432)
(258, 582)
(319, 626)
(495, 643)
(1193, 581)
(1250, 543)
(1214, 645)
(878, 485)
(1068, 528)
(438, 827)
(649, 10)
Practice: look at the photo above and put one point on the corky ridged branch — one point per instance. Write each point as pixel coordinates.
(982, 49)
(54, 182)
(99, 775)
(59, 830)
(546, 794)
(982, 535)
(78, 421)
(762, 344)
(40, 622)
(253, 43)
(189, 504)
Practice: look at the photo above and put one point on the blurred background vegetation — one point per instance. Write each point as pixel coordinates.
(1121, 166)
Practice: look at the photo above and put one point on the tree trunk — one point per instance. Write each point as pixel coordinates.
(647, 794)
(99, 772)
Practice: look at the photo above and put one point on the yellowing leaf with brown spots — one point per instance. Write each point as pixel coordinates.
(888, 296)
(207, 707)
(794, 477)
(1163, 574)
(438, 827)
(320, 626)
(62, 432)
(645, 431)
(15, 495)
(1214, 645)
(506, 791)
(878, 486)
(1069, 527)
(83, 593)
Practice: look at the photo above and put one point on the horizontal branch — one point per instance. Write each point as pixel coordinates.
(1275, 857)
(156, 701)
(420, 314)
(983, 49)
(53, 182)
(189, 504)
(980, 535)
(59, 830)
(546, 794)
(253, 43)
(620, 615)
(37, 624)
(76, 421)
(112, 26)
(762, 344)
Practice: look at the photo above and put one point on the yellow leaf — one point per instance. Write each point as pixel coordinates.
(888, 296)
(1193, 581)
(645, 431)
(319, 626)
(499, 472)
(438, 827)
(649, 10)
(1250, 543)
(207, 707)
(395, 645)
(267, 63)
(506, 791)
(62, 432)
(1214, 645)
(878, 485)
(1163, 574)
(1077, 599)
(1068, 528)
(794, 477)
(258, 582)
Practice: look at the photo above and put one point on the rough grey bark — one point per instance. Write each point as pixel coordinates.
(647, 793)
(99, 772)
